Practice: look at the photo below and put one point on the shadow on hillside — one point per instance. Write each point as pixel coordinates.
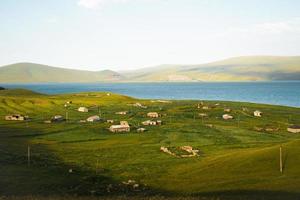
(229, 195)
(48, 175)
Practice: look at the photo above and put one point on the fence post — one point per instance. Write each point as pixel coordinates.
(28, 155)
(280, 160)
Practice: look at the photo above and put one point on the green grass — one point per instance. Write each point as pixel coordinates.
(235, 162)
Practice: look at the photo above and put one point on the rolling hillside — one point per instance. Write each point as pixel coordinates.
(251, 68)
(30, 73)
(236, 160)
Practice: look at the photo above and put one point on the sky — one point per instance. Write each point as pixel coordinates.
(131, 34)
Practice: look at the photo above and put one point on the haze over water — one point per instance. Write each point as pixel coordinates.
(279, 93)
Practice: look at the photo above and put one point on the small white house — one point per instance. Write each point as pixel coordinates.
(294, 129)
(257, 113)
(110, 121)
(123, 127)
(205, 108)
(16, 117)
(153, 114)
(226, 116)
(94, 118)
(152, 123)
(83, 109)
(149, 123)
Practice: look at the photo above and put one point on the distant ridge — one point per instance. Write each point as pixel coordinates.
(247, 68)
(35, 73)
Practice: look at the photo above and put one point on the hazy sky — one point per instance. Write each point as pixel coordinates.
(127, 34)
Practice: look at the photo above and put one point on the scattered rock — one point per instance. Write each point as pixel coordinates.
(203, 115)
(227, 117)
(227, 110)
(209, 125)
(166, 150)
(192, 152)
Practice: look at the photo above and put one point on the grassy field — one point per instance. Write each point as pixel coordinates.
(87, 161)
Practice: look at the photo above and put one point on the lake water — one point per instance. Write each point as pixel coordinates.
(280, 93)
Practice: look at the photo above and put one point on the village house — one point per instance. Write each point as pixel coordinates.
(257, 113)
(294, 129)
(149, 123)
(152, 123)
(94, 118)
(110, 121)
(16, 117)
(68, 103)
(199, 105)
(123, 127)
(121, 113)
(83, 109)
(153, 114)
(205, 108)
(226, 116)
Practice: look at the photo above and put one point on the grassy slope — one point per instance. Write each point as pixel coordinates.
(30, 72)
(251, 68)
(235, 161)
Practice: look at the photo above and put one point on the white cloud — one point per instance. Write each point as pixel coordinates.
(52, 20)
(269, 28)
(95, 4)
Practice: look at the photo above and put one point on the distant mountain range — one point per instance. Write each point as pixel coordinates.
(250, 68)
(36, 73)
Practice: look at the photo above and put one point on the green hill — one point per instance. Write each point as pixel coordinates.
(251, 68)
(30, 73)
(19, 93)
(238, 158)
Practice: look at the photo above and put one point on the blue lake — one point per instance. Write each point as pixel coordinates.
(280, 93)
